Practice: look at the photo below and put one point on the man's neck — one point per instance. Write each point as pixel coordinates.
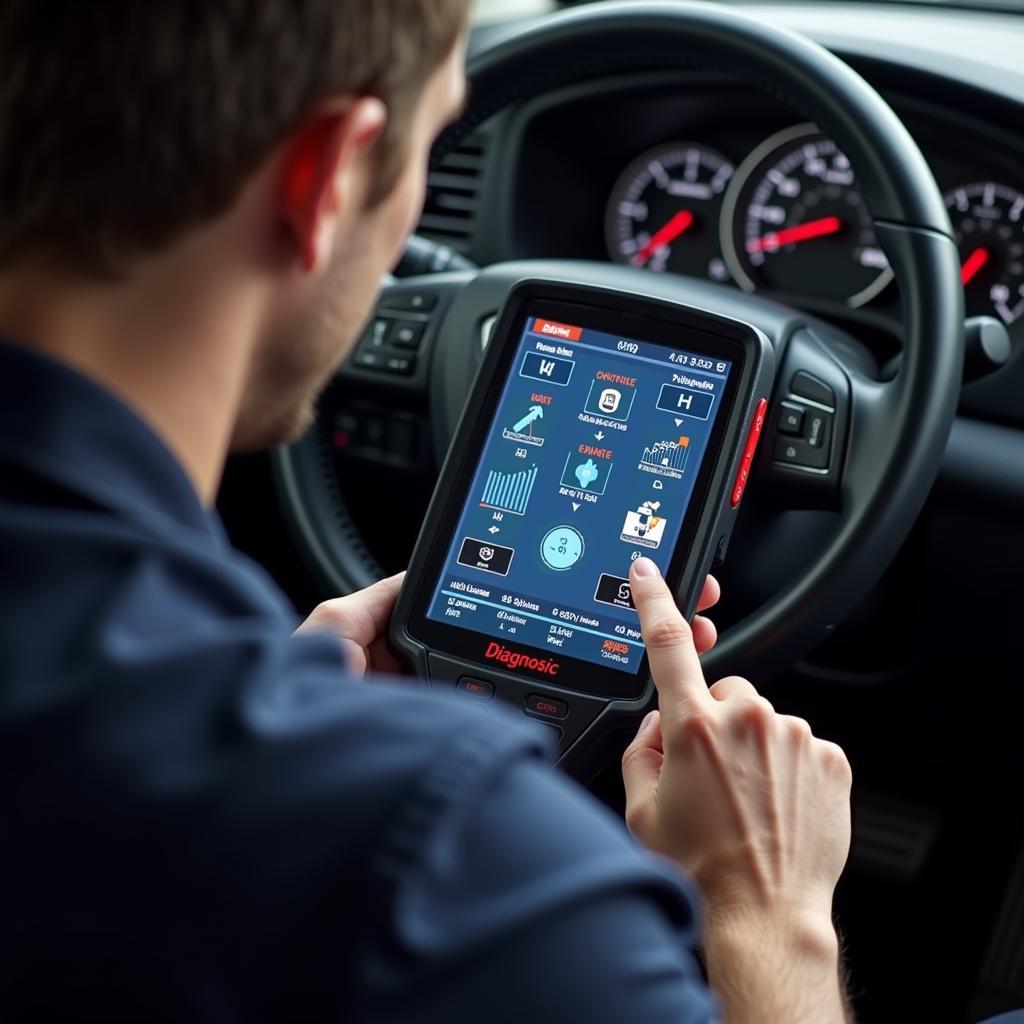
(173, 342)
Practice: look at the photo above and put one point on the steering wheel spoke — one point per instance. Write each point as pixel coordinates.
(393, 353)
(804, 450)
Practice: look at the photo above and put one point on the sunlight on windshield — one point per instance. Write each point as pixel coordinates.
(508, 10)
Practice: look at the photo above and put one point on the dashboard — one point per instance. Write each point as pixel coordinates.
(685, 174)
(696, 173)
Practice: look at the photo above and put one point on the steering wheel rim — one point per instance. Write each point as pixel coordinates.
(907, 419)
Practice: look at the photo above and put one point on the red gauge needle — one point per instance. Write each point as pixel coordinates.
(666, 233)
(799, 233)
(974, 263)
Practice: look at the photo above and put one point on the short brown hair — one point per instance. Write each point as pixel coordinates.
(123, 123)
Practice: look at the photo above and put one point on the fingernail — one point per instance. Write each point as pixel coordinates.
(648, 719)
(645, 567)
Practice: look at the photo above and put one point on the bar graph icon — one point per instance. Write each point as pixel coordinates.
(509, 492)
(668, 454)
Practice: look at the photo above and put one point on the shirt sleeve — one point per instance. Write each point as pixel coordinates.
(528, 902)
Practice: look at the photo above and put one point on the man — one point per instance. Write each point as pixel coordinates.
(204, 818)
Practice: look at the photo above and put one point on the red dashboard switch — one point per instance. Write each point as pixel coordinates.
(753, 436)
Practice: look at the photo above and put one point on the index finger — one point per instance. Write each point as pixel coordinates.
(675, 666)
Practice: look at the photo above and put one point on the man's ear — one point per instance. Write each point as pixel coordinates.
(318, 180)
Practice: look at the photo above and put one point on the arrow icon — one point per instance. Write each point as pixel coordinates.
(575, 506)
(494, 529)
(600, 435)
(679, 422)
(536, 413)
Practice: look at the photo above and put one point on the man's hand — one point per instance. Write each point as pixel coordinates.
(360, 622)
(755, 808)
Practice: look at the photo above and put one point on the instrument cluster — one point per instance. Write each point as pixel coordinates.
(790, 219)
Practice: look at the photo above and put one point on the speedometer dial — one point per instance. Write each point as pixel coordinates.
(988, 222)
(664, 209)
(794, 222)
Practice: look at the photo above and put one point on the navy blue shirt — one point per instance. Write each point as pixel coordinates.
(203, 819)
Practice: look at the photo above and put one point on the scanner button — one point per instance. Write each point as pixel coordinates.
(546, 706)
(479, 688)
(753, 436)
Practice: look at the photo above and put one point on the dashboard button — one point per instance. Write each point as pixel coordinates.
(806, 386)
(479, 688)
(791, 419)
(546, 706)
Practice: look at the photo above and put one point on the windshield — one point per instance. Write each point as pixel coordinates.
(510, 10)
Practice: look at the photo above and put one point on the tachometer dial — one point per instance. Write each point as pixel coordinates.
(794, 221)
(664, 209)
(988, 223)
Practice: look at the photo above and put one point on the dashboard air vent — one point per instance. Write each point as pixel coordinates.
(453, 192)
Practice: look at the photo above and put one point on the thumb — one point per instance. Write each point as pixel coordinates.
(641, 769)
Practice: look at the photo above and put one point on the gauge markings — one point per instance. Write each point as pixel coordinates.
(663, 211)
(988, 225)
(797, 187)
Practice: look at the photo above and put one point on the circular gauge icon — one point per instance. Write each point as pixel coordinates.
(794, 221)
(663, 211)
(562, 547)
(988, 224)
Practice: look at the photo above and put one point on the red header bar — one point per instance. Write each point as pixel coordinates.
(557, 330)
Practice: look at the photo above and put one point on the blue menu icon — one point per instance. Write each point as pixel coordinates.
(585, 473)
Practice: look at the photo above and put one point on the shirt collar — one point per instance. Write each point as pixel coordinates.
(67, 428)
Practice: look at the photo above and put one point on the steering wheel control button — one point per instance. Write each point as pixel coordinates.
(478, 688)
(485, 556)
(806, 386)
(407, 333)
(369, 360)
(410, 302)
(545, 706)
(753, 436)
(799, 453)
(819, 429)
(377, 333)
(791, 419)
(403, 365)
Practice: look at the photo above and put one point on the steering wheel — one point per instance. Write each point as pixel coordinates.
(884, 437)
